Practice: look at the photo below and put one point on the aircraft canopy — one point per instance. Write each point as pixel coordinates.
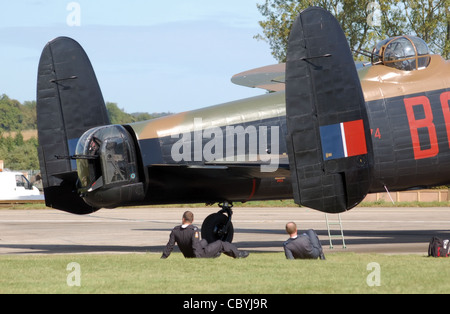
(406, 53)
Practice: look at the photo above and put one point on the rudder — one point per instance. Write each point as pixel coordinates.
(329, 143)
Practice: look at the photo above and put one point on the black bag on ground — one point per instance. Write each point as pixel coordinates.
(439, 247)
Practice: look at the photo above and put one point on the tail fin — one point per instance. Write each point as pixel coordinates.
(69, 102)
(325, 107)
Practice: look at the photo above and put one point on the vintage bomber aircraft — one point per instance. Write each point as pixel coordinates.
(327, 137)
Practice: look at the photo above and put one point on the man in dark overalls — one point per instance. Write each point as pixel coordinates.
(187, 237)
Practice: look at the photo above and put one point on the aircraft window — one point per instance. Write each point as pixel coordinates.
(115, 163)
(21, 181)
(405, 53)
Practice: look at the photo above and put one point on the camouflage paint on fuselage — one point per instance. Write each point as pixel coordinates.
(160, 135)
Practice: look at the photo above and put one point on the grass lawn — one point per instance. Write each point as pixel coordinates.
(260, 273)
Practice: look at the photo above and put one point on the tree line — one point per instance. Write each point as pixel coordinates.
(364, 22)
(19, 153)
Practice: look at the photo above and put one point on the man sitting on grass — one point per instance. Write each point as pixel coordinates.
(305, 246)
(188, 239)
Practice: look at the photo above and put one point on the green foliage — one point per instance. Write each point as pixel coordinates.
(119, 116)
(10, 114)
(20, 154)
(428, 19)
(116, 115)
(29, 115)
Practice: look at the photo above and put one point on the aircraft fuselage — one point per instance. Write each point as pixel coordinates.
(239, 151)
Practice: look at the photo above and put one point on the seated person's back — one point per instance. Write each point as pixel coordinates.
(299, 247)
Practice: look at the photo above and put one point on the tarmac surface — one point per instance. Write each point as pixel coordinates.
(142, 230)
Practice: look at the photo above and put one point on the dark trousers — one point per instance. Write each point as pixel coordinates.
(214, 249)
(317, 247)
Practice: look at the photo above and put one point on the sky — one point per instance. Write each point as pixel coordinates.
(149, 56)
